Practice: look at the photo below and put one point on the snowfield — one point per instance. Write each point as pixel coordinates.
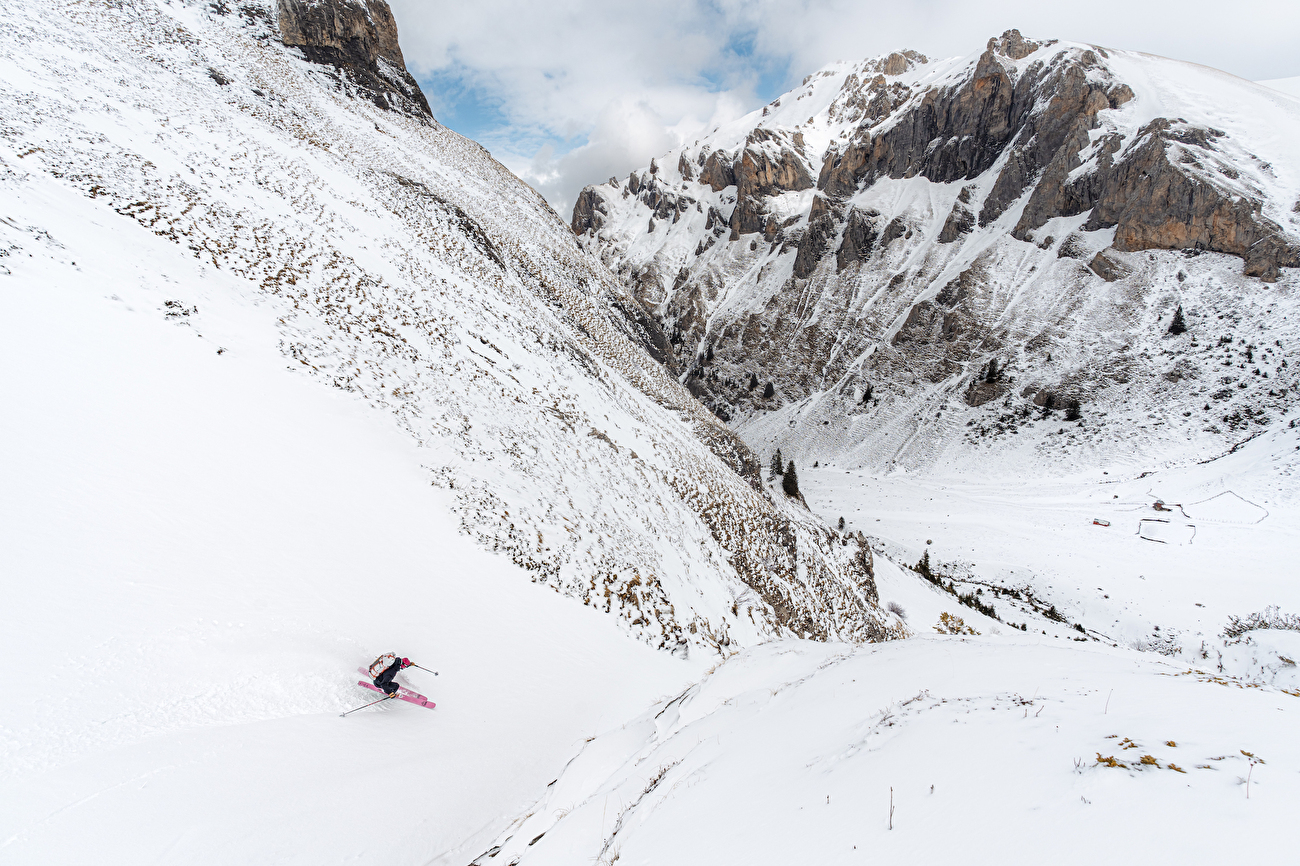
(1289, 86)
(1165, 581)
(288, 381)
(991, 750)
(199, 550)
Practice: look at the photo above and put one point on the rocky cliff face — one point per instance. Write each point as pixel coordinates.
(397, 262)
(358, 37)
(1043, 205)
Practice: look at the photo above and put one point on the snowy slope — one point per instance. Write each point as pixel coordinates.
(804, 246)
(940, 749)
(199, 550)
(399, 263)
(1289, 86)
(1157, 707)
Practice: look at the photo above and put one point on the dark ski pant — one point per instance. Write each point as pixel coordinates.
(385, 680)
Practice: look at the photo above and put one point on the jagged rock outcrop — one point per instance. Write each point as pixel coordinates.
(1155, 204)
(769, 165)
(589, 212)
(958, 212)
(358, 37)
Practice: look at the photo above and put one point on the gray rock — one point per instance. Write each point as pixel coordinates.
(358, 37)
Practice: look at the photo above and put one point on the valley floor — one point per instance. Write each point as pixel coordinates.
(1094, 547)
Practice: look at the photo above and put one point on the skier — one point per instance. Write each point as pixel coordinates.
(384, 668)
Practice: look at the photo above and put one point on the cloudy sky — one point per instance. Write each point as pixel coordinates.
(570, 92)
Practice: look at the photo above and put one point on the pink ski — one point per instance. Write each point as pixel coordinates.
(403, 693)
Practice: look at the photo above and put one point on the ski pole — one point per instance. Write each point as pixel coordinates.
(421, 667)
(371, 704)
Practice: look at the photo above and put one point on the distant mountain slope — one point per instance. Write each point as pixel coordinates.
(920, 255)
(1289, 86)
(400, 263)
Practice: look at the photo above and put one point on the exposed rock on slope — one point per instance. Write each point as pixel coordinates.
(1015, 204)
(359, 37)
(398, 262)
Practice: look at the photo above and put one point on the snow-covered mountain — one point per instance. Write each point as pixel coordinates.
(400, 263)
(919, 255)
(291, 375)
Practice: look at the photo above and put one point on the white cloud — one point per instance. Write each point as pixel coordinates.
(570, 92)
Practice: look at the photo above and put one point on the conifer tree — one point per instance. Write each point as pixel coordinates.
(790, 484)
(923, 565)
(992, 375)
(753, 381)
(776, 463)
(1072, 412)
(841, 524)
(768, 391)
(1178, 326)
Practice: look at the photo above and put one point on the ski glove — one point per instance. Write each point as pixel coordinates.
(406, 663)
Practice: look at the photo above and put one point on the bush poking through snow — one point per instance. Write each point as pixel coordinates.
(896, 609)
(949, 624)
(1269, 617)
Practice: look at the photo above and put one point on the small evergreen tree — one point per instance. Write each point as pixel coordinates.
(1072, 412)
(768, 391)
(866, 392)
(841, 524)
(753, 381)
(922, 567)
(790, 483)
(1178, 326)
(776, 463)
(992, 375)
